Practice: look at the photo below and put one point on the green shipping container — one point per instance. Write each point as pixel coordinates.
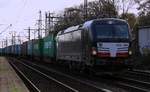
(30, 48)
(49, 47)
(38, 48)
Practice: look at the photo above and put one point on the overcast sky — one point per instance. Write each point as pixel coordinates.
(24, 13)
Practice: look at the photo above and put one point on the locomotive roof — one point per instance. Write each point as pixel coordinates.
(104, 19)
(72, 28)
(88, 23)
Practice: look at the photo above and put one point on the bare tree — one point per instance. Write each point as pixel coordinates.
(124, 6)
(144, 13)
(95, 9)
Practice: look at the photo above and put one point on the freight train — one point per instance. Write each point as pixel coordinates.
(97, 45)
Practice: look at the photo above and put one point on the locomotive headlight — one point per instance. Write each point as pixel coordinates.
(130, 52)
(94, 52)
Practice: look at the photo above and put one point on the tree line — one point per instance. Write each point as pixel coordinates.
(106, 9)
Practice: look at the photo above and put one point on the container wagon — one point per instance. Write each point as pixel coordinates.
(24, 49)
(1, 51)
(38, 49)
(17, 49)
(8, 50)
(30, 48)
(49, 48)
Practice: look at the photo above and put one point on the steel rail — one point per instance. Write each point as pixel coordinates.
(23, 77)
(51, 78)
(68, 76)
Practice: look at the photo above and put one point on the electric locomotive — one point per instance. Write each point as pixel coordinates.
(100, 44)
(97, 45)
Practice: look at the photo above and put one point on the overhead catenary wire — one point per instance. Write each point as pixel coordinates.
(6, 29)
(19, 14)
(21, 10)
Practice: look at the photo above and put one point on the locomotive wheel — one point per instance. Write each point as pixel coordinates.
(70, 65)
(130, 69)
(90, 71)
(87, 71)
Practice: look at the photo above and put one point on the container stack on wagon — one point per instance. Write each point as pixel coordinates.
(1, 51)
(24, 49)
(12, 50)
(8, 50)
(17, 50)
(49, 47)
(38, 49)
(30, 48)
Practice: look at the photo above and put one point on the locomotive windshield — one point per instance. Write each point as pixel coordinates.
(112, 31)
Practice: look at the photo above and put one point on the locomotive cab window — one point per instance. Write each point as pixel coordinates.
(111, 31)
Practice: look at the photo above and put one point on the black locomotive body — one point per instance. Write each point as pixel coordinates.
(101, 43)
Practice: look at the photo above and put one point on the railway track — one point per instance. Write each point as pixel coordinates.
(26, 80)
(138, 75)
(141, 72)
(133, 84)
(74, 84)
(41, 82)
(130, 84)
(136, 80)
